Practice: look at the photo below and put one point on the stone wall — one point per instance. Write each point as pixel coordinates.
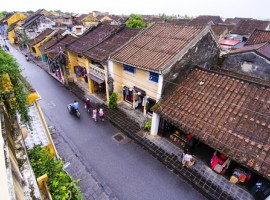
(249, 63)
(204, 54)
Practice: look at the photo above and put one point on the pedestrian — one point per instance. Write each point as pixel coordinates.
(94, 114)
(7, 48)
(187, 160)
(101, 114)
(87, 105)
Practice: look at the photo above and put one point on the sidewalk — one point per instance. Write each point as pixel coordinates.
(200, 176)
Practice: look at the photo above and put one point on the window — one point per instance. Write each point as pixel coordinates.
(153, 77)
(130, 69)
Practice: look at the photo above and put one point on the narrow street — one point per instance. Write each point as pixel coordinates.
(129, 171)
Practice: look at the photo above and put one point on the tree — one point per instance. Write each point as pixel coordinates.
(135, 21)
(3, 14)
(25, 39)
(13, 87)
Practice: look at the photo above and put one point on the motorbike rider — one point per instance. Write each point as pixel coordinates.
(75, 105)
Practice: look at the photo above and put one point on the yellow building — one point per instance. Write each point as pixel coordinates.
(148, 67)
(135, 86)
(13, 22)
(15, 18)
(37, 41)
(11, 35)
(89, 67)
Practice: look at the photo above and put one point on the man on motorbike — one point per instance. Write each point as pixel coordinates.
(75, 105)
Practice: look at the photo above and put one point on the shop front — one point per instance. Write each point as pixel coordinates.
(80, 76)
(220, 163)
(55, 70)
(97, 80)
(138, 99)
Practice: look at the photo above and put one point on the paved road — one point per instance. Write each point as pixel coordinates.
(129, 171)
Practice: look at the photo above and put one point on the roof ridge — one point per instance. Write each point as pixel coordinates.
(121, 27)
(242, 77)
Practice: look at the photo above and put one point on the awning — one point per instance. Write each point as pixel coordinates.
(140, 90)
(95, 78)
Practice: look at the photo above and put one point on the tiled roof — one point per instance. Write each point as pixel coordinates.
(118, 18)
(6, 17)
(40, 37)
(178, 21)
(263, 49)
(235, 20)
(92, 37)
(103, 50)
(81, 17)
(54, 38)
(55, 49)
(205, 19)
(246, 27)
(28, 21)
(227, 113)
(259, 36)
(157, 46)
(219, 29)
(153, 20)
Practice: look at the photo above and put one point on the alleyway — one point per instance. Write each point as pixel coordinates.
(125, 169)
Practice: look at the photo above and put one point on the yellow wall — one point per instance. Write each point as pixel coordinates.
(11, 36)
(106, 18)
(90, 23)
(74, 60)
(15, 17)
(37, 49)
(140, 79)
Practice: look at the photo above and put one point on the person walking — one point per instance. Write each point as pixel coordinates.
(94, 114)
(101, 114)
(187, 160)
(87, 105)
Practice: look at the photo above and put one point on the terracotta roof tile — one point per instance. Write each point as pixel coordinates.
(263, 49)
(205, 19)
(178, 21)
(157, 45)
(219, 30)
(40, 37)
(55, 37)
(55, 49)
(103, 50)
(246, 27)
(227, 113)
(258, 36)
(92, 37)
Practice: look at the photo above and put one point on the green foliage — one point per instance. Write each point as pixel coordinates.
(29, 11)
(2, 14)
(135, 21)
(113, 100)
(8, 27)
(20, 91)
(60, 184)
(147, 125)
(25, 40)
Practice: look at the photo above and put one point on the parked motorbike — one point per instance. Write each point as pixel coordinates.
(73, 111)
